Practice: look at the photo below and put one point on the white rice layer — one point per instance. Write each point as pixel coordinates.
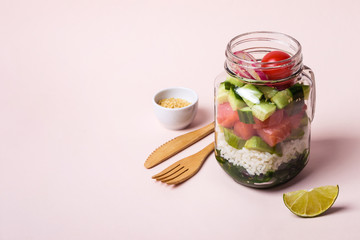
(256, 162)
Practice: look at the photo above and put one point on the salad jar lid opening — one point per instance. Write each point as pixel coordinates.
(245, 57)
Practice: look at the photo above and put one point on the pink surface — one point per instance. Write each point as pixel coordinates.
(76, 125)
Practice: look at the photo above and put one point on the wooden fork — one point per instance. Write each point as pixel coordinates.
(185, 168)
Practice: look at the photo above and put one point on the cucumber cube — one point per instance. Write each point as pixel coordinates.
(297, 91)
(222, 94)
(227, 85)
(222, 97)
(256, 143)
(282, 98)
(250, 93)
(268, 92)
(246, 116)
(235, 100)
(263, 110)
(306, 89)
(233, 140)
(250, 104)
(236, 82)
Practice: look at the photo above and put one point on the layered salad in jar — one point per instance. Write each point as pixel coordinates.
(262, 131)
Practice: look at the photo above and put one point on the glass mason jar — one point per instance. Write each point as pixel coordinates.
(264, 104)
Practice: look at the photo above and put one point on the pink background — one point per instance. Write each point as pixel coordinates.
(76, 125)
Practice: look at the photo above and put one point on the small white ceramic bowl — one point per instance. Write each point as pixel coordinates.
(176, 118)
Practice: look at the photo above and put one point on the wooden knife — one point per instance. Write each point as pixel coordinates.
(177, 144)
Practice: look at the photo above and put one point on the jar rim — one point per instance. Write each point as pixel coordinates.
(236, 38)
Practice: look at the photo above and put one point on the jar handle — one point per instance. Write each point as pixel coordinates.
(310, 74)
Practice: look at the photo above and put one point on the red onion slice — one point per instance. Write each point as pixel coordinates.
(241, 71)
(254, 73)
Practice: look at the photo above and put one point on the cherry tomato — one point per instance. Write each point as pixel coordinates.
(278, 73)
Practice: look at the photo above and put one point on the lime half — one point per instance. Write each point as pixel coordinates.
(311, 203)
